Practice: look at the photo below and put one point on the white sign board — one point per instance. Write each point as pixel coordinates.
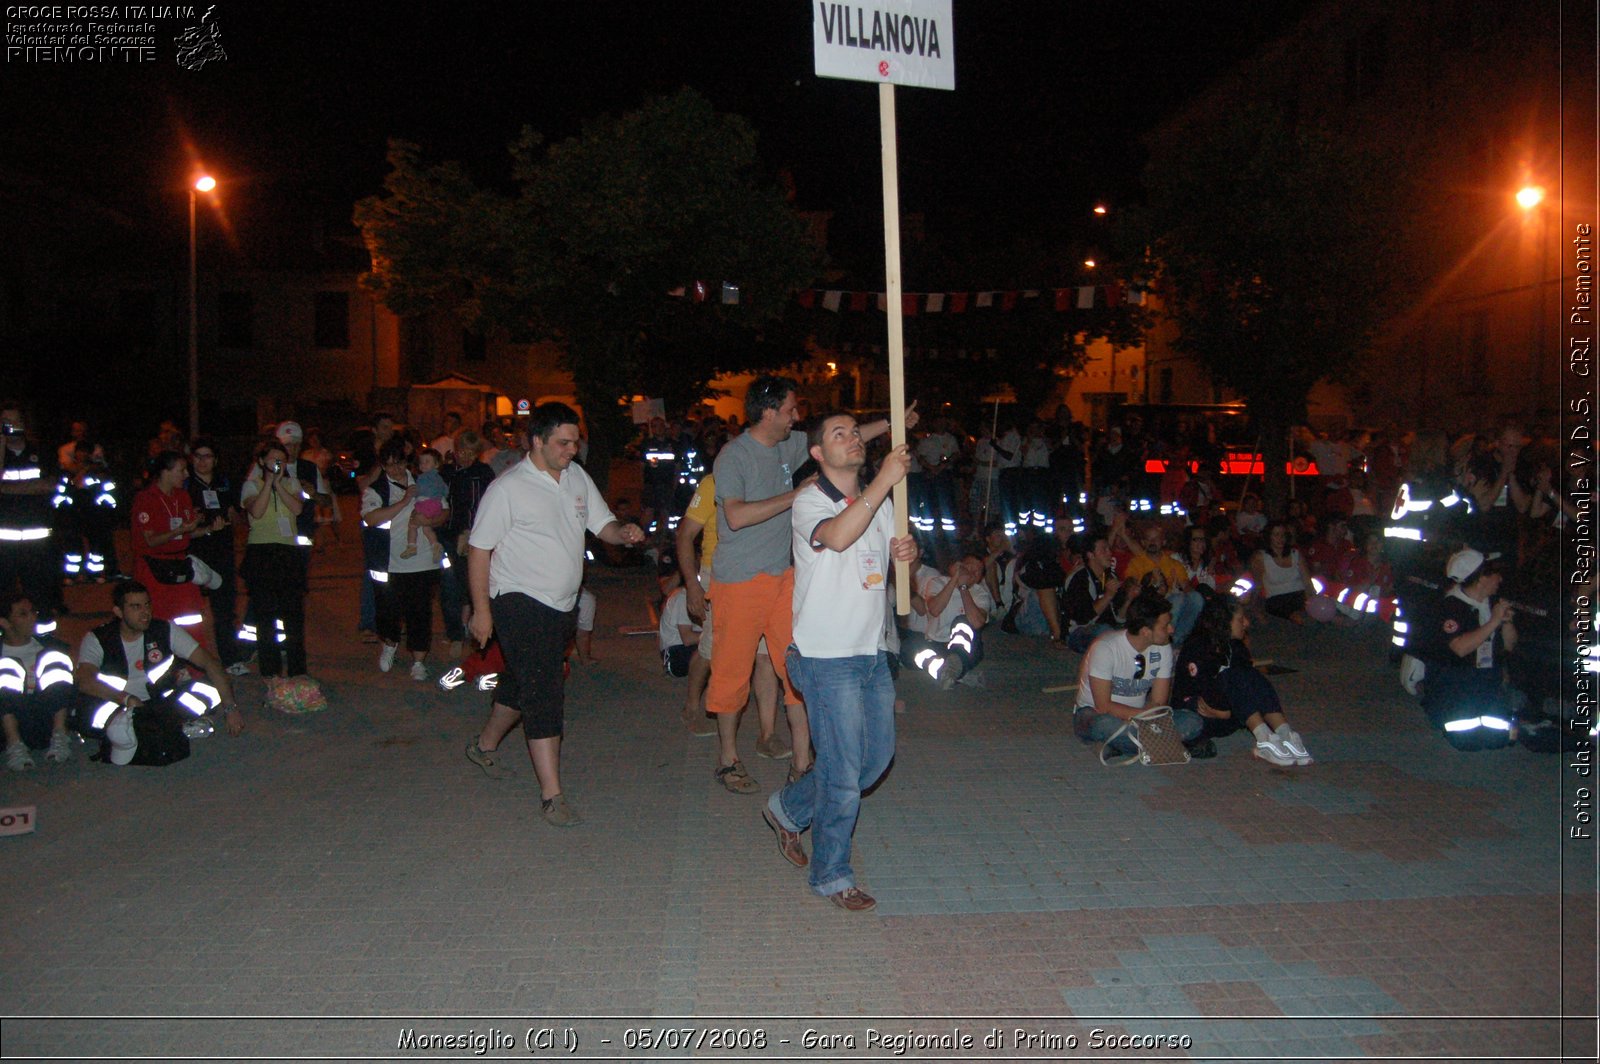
(17, 820)
(894, 42)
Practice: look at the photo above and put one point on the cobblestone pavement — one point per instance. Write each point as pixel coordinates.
(325, 884)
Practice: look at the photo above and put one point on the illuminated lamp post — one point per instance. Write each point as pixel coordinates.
(202, 183)
(1531, 198)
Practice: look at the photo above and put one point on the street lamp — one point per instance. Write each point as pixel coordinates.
(202, 183)
(1529, 198)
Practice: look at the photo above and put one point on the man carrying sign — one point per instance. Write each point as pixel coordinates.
(754, 576)
(843, 548)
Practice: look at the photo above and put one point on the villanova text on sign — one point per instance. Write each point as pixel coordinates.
(889, 32)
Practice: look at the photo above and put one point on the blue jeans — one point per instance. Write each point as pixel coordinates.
(1094, 727)
(850, 703)
(1186, 607)
(1081, 638)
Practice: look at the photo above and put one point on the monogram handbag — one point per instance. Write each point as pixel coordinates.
(1154, 734)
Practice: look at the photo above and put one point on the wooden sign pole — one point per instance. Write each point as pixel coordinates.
(891, 276)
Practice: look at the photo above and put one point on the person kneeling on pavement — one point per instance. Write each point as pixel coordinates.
(1128, 671)
(35, 688)
(1218, 680)
(137, 697)
(1464, 641)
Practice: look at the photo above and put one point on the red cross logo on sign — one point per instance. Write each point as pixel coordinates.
(883, 69)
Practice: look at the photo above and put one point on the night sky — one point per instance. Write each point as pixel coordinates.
(1051, 99)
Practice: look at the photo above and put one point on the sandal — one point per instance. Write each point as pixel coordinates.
(795, 776)
(736, 779)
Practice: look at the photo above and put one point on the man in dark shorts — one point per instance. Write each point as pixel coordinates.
(524, 569)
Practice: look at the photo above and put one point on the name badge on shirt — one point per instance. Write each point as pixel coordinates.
(285, 527)
(209, 500)
(1486, 654)
(869, 565)
(174, 523)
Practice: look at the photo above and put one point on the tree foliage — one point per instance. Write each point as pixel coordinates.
(1275, 256)
(600, 230)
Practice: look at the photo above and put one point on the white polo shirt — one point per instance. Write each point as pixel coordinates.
(534, 524)
(838, 595)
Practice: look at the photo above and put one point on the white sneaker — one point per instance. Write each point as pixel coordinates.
(386, 657)
(60, 751)
(419, 671)
(1294, 745)
(17, 757)
(1272, 750)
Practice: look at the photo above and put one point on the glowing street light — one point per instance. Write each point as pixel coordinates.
(1090, 263)
(1100, 208)
(202, 183)
(1529, 197)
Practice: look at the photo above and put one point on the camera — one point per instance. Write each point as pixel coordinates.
(275, 467)
(8, 429)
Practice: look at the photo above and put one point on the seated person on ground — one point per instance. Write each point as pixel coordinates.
(130, 677)
(35, 688)
(1037, 585)
(1095, 599)
(1331, 551)
(1279, 575)
(957, 595)
(1153, 566)
(1218, 680)
(1127, 672)
(678, 637)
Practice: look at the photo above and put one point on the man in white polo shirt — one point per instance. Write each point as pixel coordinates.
(838, 660)
(524, 569)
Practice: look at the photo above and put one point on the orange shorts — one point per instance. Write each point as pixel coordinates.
(746, 611)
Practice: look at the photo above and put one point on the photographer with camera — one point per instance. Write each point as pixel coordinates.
(273, 571)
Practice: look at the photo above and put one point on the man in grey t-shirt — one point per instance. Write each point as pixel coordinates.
(754, 577)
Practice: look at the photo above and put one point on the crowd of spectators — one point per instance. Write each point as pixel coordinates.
(1040, 526)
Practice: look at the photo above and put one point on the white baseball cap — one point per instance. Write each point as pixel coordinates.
(1462, 564)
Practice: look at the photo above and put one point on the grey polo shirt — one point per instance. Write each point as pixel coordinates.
(750, 470)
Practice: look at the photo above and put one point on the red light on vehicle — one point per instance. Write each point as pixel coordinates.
(1242, 464)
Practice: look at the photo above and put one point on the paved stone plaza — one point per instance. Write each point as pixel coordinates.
(324, 884)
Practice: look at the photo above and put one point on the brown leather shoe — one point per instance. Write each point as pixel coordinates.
(854, 900)
(788, 841)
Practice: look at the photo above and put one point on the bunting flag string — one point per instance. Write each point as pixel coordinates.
(931, 354)
(1076, 297)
